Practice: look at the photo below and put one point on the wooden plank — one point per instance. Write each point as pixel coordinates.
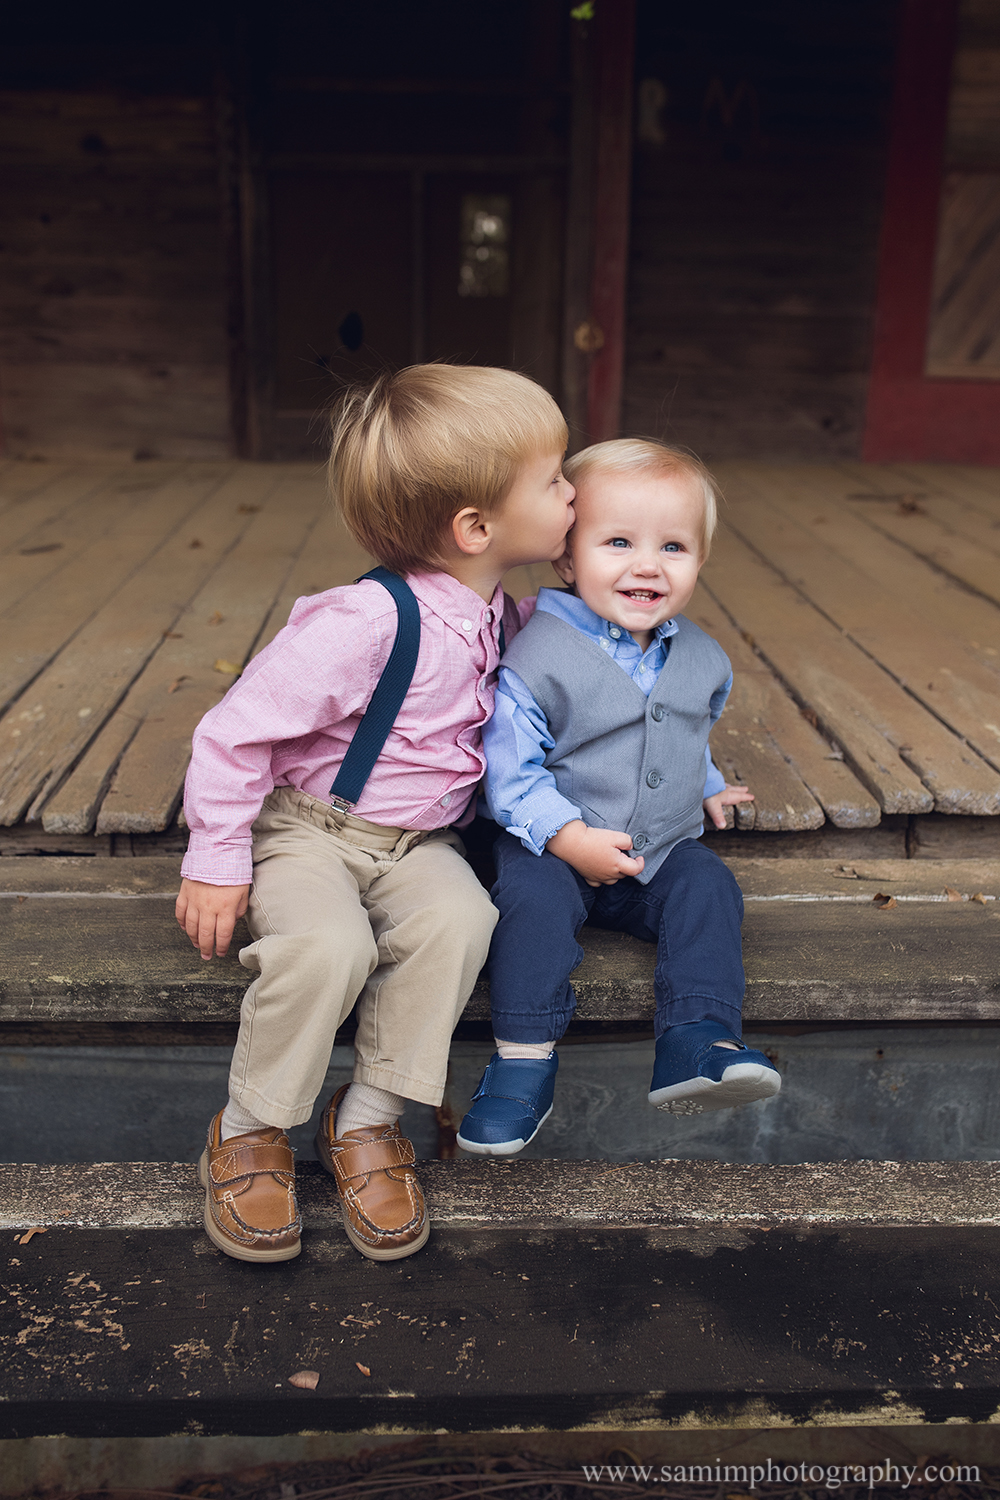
(37, 519)
(161, 1195)
(19, 480)
(573, 1320)
(745, 741)
(893, 569)
(331, 559)
(854, 880)
(88, 957)
(951, 502)
(117, 531)
(44, 733)
(973, 483)
(940, 545)
(936, 670)
(181, 684)
(891, 743)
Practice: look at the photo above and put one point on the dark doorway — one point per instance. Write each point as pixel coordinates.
(408, 170)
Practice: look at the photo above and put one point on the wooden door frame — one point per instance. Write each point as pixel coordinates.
(597, 222)
(911, 416)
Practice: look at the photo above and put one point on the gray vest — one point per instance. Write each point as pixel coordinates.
(627, 761)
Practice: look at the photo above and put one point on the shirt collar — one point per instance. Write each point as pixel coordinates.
(456, 603)
(568, 607)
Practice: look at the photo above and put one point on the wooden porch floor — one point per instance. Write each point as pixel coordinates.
(859, 604)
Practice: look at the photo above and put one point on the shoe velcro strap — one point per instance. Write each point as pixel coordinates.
(373, 1156)
(249, 1160)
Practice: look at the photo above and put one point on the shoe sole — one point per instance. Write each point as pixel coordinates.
(742, 1083)
(230, 1247)
(502, 1148)
(400, 1252)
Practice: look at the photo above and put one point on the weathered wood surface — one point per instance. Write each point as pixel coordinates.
(906, 757)
(112, 308)
(866, 678)
(539, 1325)
(72, 698)
(119, 529)
(94, 941)
(167, 1195)
(765, 742)
(755, 232)
(151, 730)
(931, 665)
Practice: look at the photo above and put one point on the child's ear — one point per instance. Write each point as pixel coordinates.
(471, 531)
(564, 567)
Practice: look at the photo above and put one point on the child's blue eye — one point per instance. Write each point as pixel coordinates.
(619, 541)
(671, 547)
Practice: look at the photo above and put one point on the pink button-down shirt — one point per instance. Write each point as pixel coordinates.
(290, 717)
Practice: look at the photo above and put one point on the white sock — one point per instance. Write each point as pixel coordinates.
(237, 1121)
(363, 1104)
(541, 1050)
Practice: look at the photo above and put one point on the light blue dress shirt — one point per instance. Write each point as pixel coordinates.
(520, 790)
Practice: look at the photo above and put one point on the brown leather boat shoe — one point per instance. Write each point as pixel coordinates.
(384, 1211)
(249, 1182)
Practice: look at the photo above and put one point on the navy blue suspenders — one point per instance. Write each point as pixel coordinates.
(387, 699)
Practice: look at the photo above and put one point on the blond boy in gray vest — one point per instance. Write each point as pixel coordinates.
(598, 768)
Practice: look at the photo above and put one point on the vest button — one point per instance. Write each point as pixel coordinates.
(639, 841)
(658, 711)
(653, 778)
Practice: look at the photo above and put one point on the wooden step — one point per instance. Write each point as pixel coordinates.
(92, 943)
(550, 1296)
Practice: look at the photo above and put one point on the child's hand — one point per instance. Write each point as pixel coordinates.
(728, 797)
(208, 914)
(595, 853)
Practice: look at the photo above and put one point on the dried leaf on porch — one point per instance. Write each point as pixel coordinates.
(25, 1238)
(952, 894)
(882, 901)
(215, 618)
(978, 897)
(177, 682)
(306, 1380)
(221, 665)
(363, 1368)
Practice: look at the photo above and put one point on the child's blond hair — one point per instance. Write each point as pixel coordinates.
(416, 447)
(642, 456)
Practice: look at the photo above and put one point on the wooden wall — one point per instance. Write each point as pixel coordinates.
(757, 195)
(112, 283)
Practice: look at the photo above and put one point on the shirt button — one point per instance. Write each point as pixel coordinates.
(654, 778)
(466, 624)
(639, 841)
(446, 799)
(614, 633)
(488, 616)
(642, 669)
(658, 711)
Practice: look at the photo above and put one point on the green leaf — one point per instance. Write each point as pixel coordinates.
(584, 12)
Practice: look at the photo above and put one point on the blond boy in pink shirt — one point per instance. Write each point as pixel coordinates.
(449, 476)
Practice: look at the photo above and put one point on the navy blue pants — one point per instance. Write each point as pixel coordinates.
(691, 909)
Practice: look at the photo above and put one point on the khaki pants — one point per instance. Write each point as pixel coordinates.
(343, 911)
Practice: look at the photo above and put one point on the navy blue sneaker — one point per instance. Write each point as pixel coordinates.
(512, 1102)
(692, 1074)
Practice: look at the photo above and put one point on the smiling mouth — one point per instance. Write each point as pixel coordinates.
(642, 596)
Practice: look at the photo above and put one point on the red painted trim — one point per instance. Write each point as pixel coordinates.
(615, 41)
(909, 416)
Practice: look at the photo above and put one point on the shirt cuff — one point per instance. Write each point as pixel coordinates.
(540, 815)
(218, 864)
(714, 782)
